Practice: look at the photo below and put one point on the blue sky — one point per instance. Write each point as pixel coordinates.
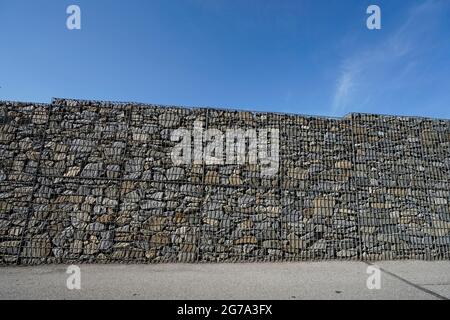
(309, 57)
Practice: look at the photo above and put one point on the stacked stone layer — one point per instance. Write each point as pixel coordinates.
(87, 181)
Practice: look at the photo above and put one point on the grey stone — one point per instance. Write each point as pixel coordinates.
(347, 244)
(9, 247)
(246, 201)
(38, 247)
(272, 244)
(319, 245)
(442, 241)
(169, 120)
(175, 173)
(96, 227)
(347, 253)
(113, 171)
(151, 204)
(92, 170)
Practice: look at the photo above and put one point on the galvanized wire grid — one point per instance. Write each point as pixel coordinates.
(404, 213)
(84, 181)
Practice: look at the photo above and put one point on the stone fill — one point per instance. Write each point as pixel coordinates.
(90, 181)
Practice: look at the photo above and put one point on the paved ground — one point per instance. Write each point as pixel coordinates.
(315, 280)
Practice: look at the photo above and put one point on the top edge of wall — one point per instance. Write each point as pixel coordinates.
(63, 101)
(29, 103)
(347, 116)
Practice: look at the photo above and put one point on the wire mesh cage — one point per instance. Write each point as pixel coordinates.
(106, 182)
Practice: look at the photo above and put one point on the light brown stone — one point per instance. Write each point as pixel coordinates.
(160, 239)
(235, 180)
(246, 240)
(344, 164)
(212, 177)
(324, 206)
(155, 223)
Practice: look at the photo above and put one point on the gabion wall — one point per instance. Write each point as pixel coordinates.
(86, 181)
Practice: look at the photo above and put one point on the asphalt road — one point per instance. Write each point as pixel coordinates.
(308, 280)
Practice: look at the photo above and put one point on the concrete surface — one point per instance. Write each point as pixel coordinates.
(308, 280)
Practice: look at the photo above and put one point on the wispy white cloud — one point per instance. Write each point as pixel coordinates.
(386, 64)
(345, 85)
